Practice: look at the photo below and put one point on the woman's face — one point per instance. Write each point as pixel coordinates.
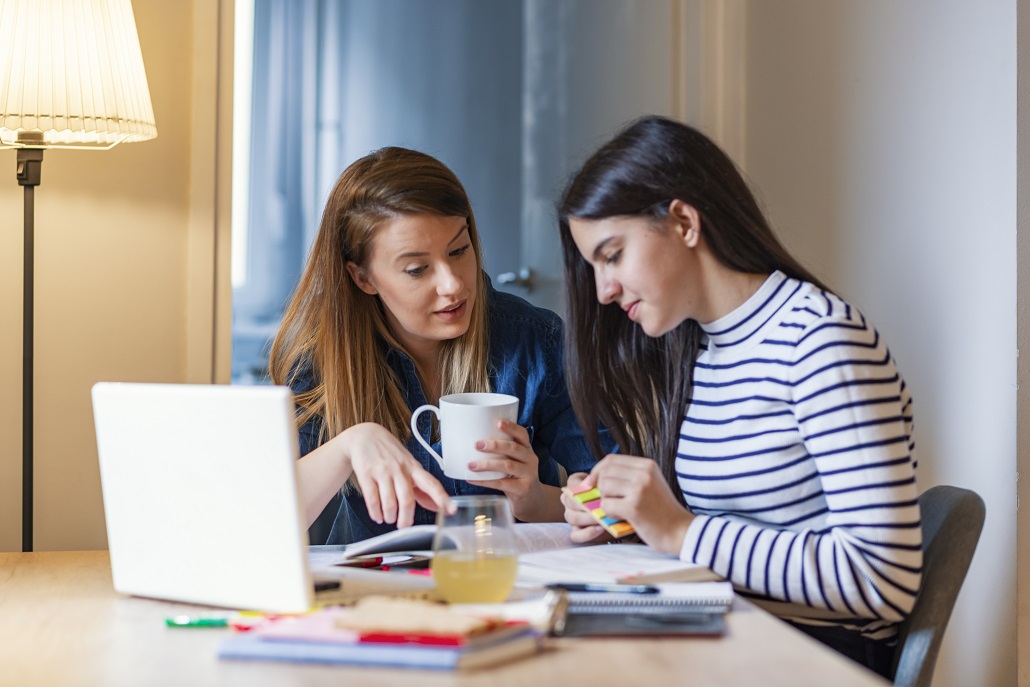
(424, 270)
(650, 271)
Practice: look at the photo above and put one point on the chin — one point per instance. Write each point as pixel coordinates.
(655, 331)
(453, 331)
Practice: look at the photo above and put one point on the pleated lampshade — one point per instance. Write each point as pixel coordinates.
(71, 75)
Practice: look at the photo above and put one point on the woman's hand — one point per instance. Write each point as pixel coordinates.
(584, 527)
(390, 479)
(634, 489)
(531, 501)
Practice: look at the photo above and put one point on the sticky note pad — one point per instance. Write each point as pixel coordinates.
(591, 500)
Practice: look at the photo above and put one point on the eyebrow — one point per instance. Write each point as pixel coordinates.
(457, 236)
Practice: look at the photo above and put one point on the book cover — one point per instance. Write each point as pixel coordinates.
(668, 623)
(256, 647)
(324, 627)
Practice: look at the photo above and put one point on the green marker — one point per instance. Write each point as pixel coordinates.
(197, 621)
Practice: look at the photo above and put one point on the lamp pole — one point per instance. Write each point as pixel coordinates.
(30, 162)
(74, 79)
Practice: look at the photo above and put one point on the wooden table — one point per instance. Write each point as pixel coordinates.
(61, 623)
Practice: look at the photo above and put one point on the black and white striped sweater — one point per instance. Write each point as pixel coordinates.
(797, 456)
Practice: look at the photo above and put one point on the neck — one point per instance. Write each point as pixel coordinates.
(426, 356)
(427, 363)
(725, 289)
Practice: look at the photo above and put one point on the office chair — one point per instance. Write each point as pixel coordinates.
(952, 519)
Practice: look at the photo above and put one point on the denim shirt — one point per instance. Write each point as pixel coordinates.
(526, 361)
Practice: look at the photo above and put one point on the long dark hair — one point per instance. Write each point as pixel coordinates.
(637, 386)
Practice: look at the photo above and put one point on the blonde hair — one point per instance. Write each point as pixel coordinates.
(339, 334)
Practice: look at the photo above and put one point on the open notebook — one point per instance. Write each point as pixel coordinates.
(200, 496)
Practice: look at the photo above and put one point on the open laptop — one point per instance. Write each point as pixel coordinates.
(200, 494)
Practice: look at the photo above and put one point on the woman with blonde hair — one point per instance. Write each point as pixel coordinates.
(393, 311)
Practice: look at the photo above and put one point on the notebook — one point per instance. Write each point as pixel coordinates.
(694, 608)
(200, 494)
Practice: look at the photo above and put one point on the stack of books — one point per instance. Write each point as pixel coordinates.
(420, 640)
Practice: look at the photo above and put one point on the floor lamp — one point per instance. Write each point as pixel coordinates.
(71, 76)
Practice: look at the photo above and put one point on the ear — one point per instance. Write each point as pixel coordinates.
(687, 221)
(361, 279)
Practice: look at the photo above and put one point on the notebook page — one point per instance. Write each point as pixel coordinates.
(670, 596)
(615, 563)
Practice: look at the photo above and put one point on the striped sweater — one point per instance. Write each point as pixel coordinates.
(797, 457)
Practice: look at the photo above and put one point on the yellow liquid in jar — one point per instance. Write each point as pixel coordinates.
(466, 578)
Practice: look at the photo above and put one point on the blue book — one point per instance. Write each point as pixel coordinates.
(244, 646)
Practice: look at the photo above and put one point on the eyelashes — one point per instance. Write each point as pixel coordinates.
(416, 272)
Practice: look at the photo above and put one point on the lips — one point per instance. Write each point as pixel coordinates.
(452, 312)
(631, 310)
(451, 309)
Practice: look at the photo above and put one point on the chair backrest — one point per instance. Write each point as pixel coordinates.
(952, 519)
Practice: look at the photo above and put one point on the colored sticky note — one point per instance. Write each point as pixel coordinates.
(591, 500)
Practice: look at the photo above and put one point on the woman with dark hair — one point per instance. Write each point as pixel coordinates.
(394, 311)
(776, 428)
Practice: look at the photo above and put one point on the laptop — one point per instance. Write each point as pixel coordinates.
(200, 494)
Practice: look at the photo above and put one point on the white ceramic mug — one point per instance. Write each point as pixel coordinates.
(464, 420)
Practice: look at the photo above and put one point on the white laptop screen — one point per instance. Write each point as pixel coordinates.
(200, 495)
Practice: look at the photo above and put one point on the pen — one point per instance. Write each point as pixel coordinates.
(623, 588)
(196, 621)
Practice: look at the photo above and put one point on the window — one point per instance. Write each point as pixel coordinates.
(511, 95)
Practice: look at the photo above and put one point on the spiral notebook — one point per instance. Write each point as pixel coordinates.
(693, 608)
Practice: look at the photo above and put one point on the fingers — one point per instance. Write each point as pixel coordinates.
(575, 513)
(579, 518)
(405, 495)
(575, 478)
(506, 466)
(502, 447)
(514, 458)
(429, 492)
(513, 465)
(516, 431)
(370, 491)
(388, 500)
(582, 535)
(570, 502)
(618, 475)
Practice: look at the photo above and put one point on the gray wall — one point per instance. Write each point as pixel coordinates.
(882, 137)
(469, 116)
(590, 67)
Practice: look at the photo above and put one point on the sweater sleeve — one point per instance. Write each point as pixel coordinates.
(854, 416)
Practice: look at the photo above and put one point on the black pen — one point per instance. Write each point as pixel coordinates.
(589, 587)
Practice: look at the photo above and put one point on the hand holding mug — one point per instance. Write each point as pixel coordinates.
(465, 420)
(514, 458)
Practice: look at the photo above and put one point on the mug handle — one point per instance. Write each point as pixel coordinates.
(418, 435)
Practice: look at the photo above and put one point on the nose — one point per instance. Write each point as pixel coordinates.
(607, 288)
(448, 283)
